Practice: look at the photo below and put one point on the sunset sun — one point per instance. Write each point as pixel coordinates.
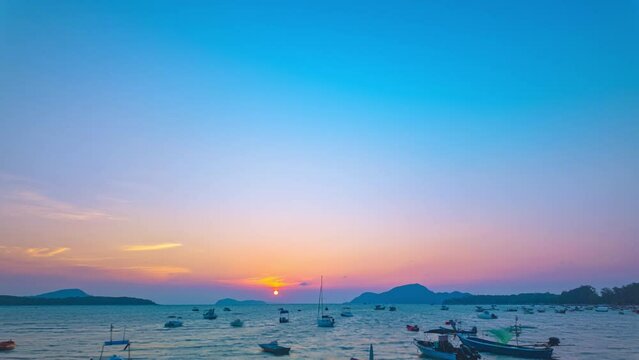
(276, 292)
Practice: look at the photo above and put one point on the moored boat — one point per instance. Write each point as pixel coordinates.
(487, 315)
(543, 351)
(346, 312)
(284, 316)
(173, 324)
(601, 309)
(444, 307)
(210, 314)
(444, 350)
(226, 309)
(413, 328)
(7, 345)
(380, 307)
(111, 342)
(237, 323)
(323, 320)
(274, 348)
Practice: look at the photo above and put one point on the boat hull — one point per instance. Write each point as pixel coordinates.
(325, 323)
(433, 354)
(482, 345)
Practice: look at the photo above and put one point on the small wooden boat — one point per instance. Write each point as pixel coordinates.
(274, 348)
(444, 350)
(171, 324)
(111, 342)
(284, 316)
(380, 307)
(346, 312)
(237, 323)
(544, 351)
(7, 345)
(486, 315)
(210, 314)
(413, 328)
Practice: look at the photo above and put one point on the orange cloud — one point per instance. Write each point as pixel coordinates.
(151, 247)
(45, 252)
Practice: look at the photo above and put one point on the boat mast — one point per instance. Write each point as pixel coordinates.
(321, 300)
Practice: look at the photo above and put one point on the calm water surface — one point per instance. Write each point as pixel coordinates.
(76, 332)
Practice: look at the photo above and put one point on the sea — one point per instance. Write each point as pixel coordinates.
(77, 332)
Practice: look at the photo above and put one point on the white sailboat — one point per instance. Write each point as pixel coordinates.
(323, 320)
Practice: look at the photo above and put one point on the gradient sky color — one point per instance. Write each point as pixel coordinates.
(187, 151)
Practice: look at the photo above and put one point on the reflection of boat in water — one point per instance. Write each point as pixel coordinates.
(486, 315)
(274, 348)
(7, 345)
(111, 342)
(210, 314)
(380, 307)
(323, 320)
(346, 312)
(443, 349)
(539, 351)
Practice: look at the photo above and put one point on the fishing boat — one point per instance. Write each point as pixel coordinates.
(511, 309)
(601, 309)
(455, 330)
(284, 316)
(380, 307)
(413, 328)
(528, 310)
(536, 351)
(210, 314)
(541, 310)
(480, 308)
(226, 309)
(111, 342)
(7, 345)
(443, 349)
(173, 324)
(323, 320)
(195, 309)
(237, 323)
(392, 308)
(346, 312)
(487, 315)
(274, 348)
(444, 308)
(560, 310)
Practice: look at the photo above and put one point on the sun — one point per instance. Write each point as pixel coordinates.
(275, 292)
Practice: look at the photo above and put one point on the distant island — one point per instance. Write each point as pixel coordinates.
(625, 295)
(233, 302)
(70, 297)
(408, 294)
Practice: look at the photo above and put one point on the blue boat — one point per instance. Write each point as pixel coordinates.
(274, 348)
(482, 345)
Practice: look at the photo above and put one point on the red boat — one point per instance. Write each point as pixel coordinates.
(7, 345)
(413, 328)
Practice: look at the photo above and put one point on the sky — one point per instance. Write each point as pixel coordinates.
(189, 151)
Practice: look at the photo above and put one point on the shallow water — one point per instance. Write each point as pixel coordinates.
(76, 332)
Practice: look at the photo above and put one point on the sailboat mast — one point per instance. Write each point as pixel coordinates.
(321, 300)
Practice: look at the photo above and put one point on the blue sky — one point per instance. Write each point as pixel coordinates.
(423, 122)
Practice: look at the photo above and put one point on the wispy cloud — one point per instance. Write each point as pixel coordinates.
(45, 252)
(151, 247)
(33, 203)
(275, 282)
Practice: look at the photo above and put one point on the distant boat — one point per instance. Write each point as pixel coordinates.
(392, 308)
(560, 310)
(487, 315)
(380, 307)
(210, 314)
(444, 350)
(323, 320)
(543, 351)
(283, 316)
(226, 309)
(413, 328)
(274, 348)
(528, 310)
(511, 309)
(237, 323)
(173, 324)
(111, 342)
(195, 309)
(346, 312)
(7, 345)
(601, 309)
(480, 309)
(454, 330)
(444, 308)
(541, 310)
